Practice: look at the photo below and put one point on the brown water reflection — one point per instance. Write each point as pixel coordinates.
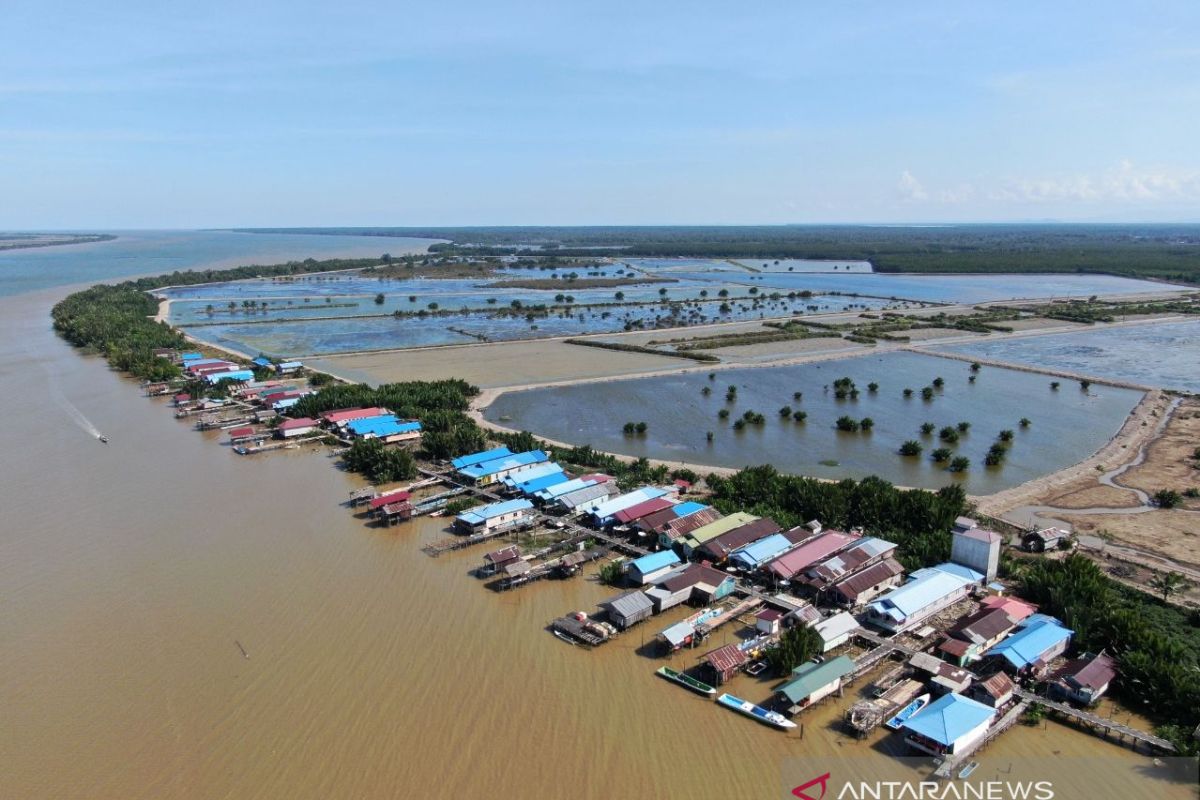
(129, 572)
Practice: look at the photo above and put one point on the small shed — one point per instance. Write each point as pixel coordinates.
(836, 630)
(995, 691)
(497, 559)
(768, 621)
(628, 609)
(724, 662)
(1043, 540)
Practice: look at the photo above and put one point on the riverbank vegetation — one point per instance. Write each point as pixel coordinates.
(1157, 645)
(115, 321)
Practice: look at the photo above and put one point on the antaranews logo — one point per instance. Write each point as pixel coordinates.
(802, 791)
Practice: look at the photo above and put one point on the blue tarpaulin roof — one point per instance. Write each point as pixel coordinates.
(949, 718)
(191, 356)
(690, 507)
(1036, 636)
(480, 457)
(262, 362)
(477, 516)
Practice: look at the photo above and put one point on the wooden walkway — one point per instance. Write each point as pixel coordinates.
(1104, 724)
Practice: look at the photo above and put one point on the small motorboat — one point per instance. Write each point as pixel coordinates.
(906, 713)
(103, 439)
(772, 718)
(756, 668)
(685, 680)
(966, 771)
(564, 637)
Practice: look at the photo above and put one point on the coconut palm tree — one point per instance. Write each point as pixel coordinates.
(1168, 584)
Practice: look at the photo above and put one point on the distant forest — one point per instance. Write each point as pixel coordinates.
(1162, 252)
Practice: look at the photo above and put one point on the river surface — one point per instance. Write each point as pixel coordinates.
(679, 415)
(159, 252)
(1159, 354)
(132, 574)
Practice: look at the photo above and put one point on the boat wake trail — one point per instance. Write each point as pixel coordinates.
(62, 401)
(71, 409)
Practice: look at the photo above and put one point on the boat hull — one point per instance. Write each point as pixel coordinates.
(699, 687)
(756, 713)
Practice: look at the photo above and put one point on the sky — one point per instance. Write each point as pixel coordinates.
(166, 114)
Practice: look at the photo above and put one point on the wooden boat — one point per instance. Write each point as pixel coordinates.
(906, 713)
(758, 713)
(684, 680)
(966, 771)
(564, 637)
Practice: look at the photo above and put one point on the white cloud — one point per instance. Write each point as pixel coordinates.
(911, 188)
(1125, 182)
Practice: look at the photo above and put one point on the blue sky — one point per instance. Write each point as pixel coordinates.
(168, 114)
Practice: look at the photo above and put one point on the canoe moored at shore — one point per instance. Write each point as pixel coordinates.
(758, 713)
(685, 680)
(904, 714)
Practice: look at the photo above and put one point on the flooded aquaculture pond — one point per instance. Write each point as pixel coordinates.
(1160, 354)
(679, 414)
(347, 312)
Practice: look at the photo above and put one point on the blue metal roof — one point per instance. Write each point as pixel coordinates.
(761, 551)
(480, 457)
(1039, 634)
(477, 516)
(288, 403)
(655, 561)
(924, 587)
(949, 718)
(191, 356)
(526, 475)
(290, 364)
(486, 468)
(385, 425)
(553, 479)
(262, 362)
(688, 508)
(552, 492)
(232, 375)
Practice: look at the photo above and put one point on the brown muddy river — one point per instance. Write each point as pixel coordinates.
(130, 573)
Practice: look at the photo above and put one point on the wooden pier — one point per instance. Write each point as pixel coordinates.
(459, 542)
(549, 568)
(1105, 726)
